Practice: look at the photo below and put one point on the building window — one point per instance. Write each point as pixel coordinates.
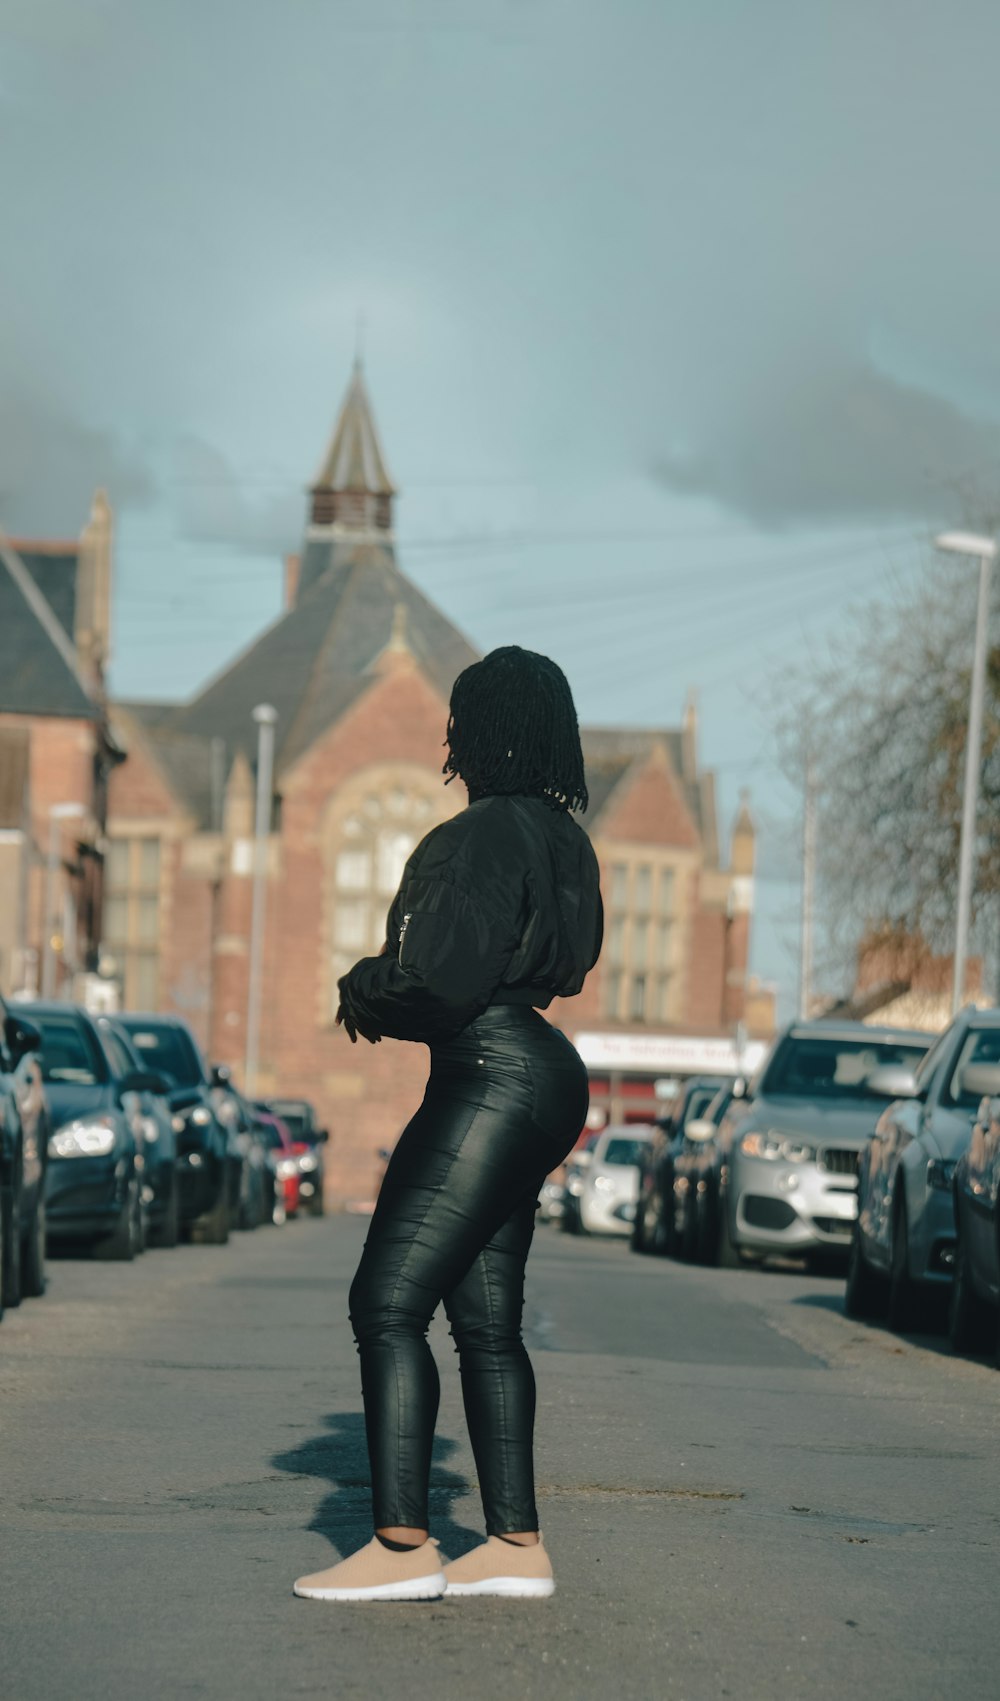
(643, 889)
(637, 1008)
(614, 994)
(663, 999)
(666, 891)
(132, 918)
(372, 830)
(640, 942)
(616, 941)
(619, 886)
(664, 945)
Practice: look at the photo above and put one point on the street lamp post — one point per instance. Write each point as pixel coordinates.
(265, 718)
(58, 813)
(985, 549)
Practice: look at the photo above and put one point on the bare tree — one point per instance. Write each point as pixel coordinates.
(884, 718)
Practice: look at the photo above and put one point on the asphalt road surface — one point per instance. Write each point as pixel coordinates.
(745, 1494)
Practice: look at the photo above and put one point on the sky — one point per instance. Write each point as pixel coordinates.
(680, 321)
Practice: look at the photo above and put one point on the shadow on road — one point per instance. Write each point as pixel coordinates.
(344, 1515)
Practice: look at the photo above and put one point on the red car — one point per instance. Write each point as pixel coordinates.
(284, 1161)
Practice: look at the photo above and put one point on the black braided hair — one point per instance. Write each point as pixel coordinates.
(512, 730)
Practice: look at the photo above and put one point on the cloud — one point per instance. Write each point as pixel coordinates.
(836, 445)
(213, 504)
(51, 464)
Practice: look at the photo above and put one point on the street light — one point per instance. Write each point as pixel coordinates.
(265, 718)
(58, 812)
(985, 549)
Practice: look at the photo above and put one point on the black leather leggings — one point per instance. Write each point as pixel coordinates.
(504, 1105)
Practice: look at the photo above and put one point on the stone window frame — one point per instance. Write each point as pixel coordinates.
(645, 890)
(378, 780)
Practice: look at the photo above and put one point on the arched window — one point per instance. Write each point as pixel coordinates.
(372, 825)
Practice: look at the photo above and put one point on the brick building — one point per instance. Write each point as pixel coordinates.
(359, 668)
(56, 754)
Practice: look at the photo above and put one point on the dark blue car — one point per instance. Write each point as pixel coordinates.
(97, 1100)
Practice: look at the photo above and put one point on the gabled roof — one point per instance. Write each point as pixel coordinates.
(354, 460)
(39, 669)
(610, 752)
(311, 665)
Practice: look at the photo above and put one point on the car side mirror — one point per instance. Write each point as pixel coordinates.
(321, 1136)
(144, 1081)
(699, 1129)
(21, 1036)
(221, 1075)
(892, 1081)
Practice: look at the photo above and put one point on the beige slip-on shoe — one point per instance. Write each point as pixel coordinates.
(375, 1573)
(501, 1568)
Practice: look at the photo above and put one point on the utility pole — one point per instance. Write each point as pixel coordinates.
(985, 548)
(265, 718)
(808, 890)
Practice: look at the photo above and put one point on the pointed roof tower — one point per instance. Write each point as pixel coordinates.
(353, 491)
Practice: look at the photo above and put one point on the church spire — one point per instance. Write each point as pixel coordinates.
(353, 491)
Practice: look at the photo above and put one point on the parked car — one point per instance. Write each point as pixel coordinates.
(209, 1164)
(576, 1167)
(792, 1172)
(299, 1118)
(160, 1181)
(653, 1228)
(283, 1162)
(974, 1315)
(903, 1248)
(96, 1152)
(252, 1204)
(24, 1136)
(701, 1171)
(551, 1200)
(609, 1188)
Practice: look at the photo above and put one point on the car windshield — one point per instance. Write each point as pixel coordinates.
(622, 1151)
(296, 1121)
(270, 1135)
(169, 1051)
(698, 1103)
(68, 1052)
(981, 1045)
(813, 1067)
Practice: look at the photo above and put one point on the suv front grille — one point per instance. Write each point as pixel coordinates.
(839, 1160)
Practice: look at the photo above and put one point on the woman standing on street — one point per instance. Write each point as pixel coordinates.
(498, 913)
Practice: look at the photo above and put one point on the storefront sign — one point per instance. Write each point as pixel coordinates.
(660, 1053)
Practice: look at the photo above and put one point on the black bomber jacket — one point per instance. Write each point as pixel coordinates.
(499, 905)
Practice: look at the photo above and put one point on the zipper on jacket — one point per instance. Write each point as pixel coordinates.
(408, 917)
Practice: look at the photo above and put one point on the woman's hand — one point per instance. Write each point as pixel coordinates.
(345, 1020)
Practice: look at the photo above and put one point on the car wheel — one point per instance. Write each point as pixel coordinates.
(971, 1322)
(637, 1239)
(169, 1232)
(10, 1267)
(317, 1204)
(33, 1253)
(865, 1295)
(212, 1229)
(727, 1252)
(126, 1242)
(902, 1307)
(689, 1233)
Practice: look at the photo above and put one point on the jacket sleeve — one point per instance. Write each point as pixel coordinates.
(453, 951)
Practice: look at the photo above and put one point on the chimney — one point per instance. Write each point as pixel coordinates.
(92, 626)
(293, 567)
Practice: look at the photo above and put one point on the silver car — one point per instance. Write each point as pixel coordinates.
(904, 1246)
(791, 1185)
(609, 1186)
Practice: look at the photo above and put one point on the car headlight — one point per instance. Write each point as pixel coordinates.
(85, 1137)
(308, 1161)
(941, 1173)
(199, 1116)
(777, 1148)
(603, 1184)
(286, 1167)
(149, 1128)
